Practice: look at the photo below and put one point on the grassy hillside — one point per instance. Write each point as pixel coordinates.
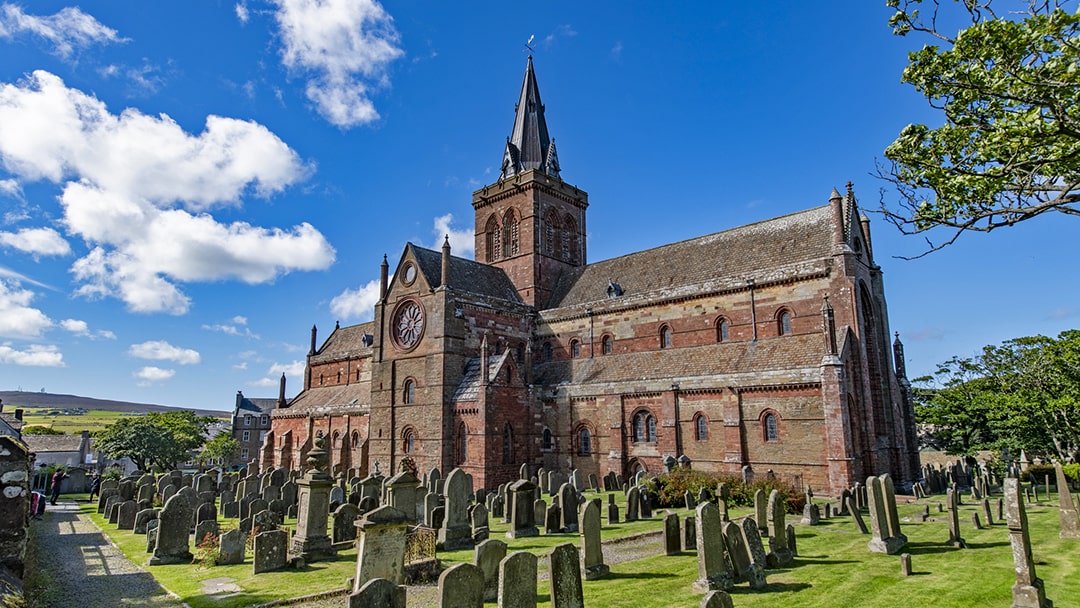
(73, 414)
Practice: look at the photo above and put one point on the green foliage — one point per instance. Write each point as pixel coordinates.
(39, 429)
(1072, 471)
(223, 447)
(671, 489)
(955, 416)
(207, 551)
(1008, 87)
(161, 439)
(112, 473)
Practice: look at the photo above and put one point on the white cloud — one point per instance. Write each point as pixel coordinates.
(35, 355)
(462, 242)
(233, 329)
(67, 31)
(151, 374)
(242, 12)
(160, 350)
(294, 370)
(562, 31)
(344, 47)
(139, 189)
(17, 318)
(82, 329)
(240, 366)
(239, 320)
(356, 303)
(10, 187)
(36, 241)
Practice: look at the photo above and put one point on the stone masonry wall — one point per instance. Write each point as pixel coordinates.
(14, 502)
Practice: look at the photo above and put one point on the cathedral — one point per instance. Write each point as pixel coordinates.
(761, 348)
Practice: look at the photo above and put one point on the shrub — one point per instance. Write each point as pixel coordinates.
(207, 551)
(1072, 471)
(671, 488)
(1040, 471)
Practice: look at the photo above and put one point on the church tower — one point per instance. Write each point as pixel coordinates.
(530, 223)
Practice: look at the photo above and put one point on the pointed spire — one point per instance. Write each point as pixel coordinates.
(898, 356)
(529, 146)
(384, 271)
(281, 392)
(446, 261)
(314, 332)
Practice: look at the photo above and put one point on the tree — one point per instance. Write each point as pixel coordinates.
(161, 439)
(40, 429)
(1008, 85)
(956, 414)
(221, 448)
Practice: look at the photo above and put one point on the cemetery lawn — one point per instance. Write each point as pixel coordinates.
(833, 568)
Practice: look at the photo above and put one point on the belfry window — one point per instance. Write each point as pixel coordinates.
(575, 349)
(605, 345)
(644, 427)
(783, 322)
(665, 337)
(772, 427)
(584, 441)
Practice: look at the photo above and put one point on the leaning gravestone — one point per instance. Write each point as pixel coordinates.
(174, 528)
(741, 561)
(713, 570)
(1067, 516)
(517, 580)
(564, 576)
(142, 518)
(754, 547)
(1028, 591)
(271, 550)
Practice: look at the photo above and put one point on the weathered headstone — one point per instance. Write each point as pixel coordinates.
(689, 534)
(856, 515)
(745, 569)
(1028, 591)
(592, 554)
(564, 576)
(612, 510)
(778, 545)
(487, 556)
(456, 531)
(478, 520)
(717, 599)
(955, 540)
(905, 564)
(553, 519)
(381, 546)
(142, 518)
(1067, 516)
(231, 546)
(174, 528)
(125, 515)
(885, 528)
(378, 593)
(811, 515)
(271, 550)
(754, 547)
(672, 544)
(761, 511)
(568, 507)
(517, 580)
(462, 586)
(713, 570)
(521, 521)
(633, 503)
(343, 525)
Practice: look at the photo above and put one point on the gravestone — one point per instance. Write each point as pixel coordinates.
(612, 510)
(564, 577)
(761, 512)
(378, 593)
(174, 528)
(975, 523)
(1028, 591)
(271, 551)
(125, 515)
(478, 519)
(461, 586)
(672, 542)
(142, 518)
(689, 534)
(884, 524)
(592, 553)
(1067, 516)
(539, 511)
(204, 528)
(743, 565)
(568, 507)
(343, 525)
(811, 515)
(792, 540)
(231, 547)
(752, 540)
(632, 504)
(206, 512)
(717, 599)
(722, 495)
(856, 516)
(688, 500)
(955, 540)
(645, 510)
(151, 535)
(905, 564)
(487, 556)
(521, 520)
(401, 495)
(713, 570)
(987, 512)
(106, 494)
(778, 545)
(517, 580)
(456, 531)
(381, 546)
(553, 519)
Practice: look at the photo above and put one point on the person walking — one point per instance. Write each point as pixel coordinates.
(95, 485)
(57, 479)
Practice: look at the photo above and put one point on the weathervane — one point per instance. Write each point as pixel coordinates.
(528, 45)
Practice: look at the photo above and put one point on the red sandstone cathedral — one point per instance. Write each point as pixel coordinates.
(763, 346)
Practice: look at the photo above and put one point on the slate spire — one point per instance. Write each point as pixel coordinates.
(529, 146)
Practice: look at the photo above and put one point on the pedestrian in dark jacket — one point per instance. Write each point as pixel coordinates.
(57, 479)
(95, 486)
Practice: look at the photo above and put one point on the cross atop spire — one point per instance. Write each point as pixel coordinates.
(529, 146)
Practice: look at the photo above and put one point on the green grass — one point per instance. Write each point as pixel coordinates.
(92, 420)
(834, 567)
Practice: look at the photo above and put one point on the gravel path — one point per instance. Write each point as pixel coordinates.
(80, 568)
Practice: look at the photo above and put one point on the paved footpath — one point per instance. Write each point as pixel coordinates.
(84, 570)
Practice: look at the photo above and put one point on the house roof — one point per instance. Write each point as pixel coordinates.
(337, 399)
(346, 342)
(795, 358)
(786, 243)
(471, 384)
(12, 421)
(466, 275)
(52, 443)
(254, 406)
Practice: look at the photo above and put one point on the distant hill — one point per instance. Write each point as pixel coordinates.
(13, 399)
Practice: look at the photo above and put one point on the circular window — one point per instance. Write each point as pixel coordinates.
(408, 324)
(408, 274)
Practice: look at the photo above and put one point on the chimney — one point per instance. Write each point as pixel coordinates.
(1, 405)
(836, 205)
(18, 414)
(865, 221)
(314, 331)
(898, 357)
(384, 270)
(446, 261)
(281, 392)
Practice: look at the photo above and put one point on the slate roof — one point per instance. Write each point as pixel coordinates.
(12, 421)
(255, 406)
(341, 398)
(52, 443)
(466, 275)
(469, 389)
(345, 342)
(733, 256)
(800, 354)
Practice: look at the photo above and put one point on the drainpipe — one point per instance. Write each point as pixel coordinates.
(753, 309)
(678, 427)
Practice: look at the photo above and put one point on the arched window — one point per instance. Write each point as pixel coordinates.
(570, 242)
(336, 442)
(408, 440)
(722, 330)
(701, 427)
(551, 231)
(494, 239)
(783, 323)
(575, 348)
(339, 376)
(547, 351)
(772, 427)
(510, 226)
(463, 442)
(508, 445)
(549, 441)
(605, 345)
(584, 441)
(665, 336)
(521, 353)
(644, 426)
(408, 392)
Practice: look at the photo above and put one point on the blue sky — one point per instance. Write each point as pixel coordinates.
(187, 187)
